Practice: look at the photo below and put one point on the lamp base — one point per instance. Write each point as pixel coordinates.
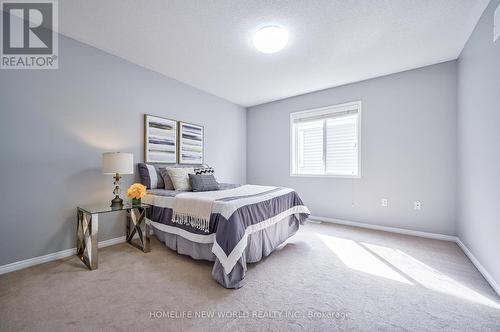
(117, 202)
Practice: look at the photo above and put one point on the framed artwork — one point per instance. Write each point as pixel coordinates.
(160, 140)
(191, 143)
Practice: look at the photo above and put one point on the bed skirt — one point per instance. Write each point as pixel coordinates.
(260, 244)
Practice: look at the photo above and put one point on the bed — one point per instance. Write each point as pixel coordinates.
(245, 224)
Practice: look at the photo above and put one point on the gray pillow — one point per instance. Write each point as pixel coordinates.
(150, 177)
(203, 182)
(166, 179)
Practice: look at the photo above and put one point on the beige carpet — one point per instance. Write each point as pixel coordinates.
(326, 277)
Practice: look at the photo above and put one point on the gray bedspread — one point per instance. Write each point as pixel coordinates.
(232, 221)
(260, 244)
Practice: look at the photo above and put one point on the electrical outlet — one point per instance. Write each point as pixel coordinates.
(384, 202)
(417, 205)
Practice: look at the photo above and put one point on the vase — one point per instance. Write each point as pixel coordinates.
(136, 201)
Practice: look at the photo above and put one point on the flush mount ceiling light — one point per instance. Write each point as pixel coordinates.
(270, 39)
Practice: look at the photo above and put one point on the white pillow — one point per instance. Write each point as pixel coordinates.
(180, 177)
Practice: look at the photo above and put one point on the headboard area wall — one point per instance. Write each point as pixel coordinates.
(94, 103)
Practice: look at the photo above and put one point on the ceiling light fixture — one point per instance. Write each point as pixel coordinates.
(270, 39)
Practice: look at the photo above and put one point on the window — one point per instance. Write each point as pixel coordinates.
(325, 141)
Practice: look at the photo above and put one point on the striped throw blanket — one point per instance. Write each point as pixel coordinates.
(195, 209)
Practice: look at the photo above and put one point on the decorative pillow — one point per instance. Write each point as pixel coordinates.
(150, 177)
(204, 170)
(166, 179)
(180, 178)
(203, 182)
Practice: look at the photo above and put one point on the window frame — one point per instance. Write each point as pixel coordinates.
(336, 108)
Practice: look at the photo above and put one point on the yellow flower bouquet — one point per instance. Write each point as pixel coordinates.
(136, 192)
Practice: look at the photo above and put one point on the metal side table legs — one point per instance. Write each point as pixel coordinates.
(136, 216)
(86, 230)
(86, 238)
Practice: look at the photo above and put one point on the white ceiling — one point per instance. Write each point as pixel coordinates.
(208, 44)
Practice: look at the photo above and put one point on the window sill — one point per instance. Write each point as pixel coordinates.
(325, 176)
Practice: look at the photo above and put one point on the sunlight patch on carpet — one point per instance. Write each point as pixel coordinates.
(427, 276)
(357, 258)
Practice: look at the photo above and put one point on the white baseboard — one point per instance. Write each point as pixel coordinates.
(489, 278)
(110, 242)
(387, 229)
(54, 256)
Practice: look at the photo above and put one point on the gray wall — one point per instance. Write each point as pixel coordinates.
(479, 144)
(408, 150)
(55, 124)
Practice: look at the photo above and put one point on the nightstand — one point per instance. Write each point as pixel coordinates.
(88, 224)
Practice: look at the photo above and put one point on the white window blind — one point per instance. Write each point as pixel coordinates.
(326, 141)
(310, 147)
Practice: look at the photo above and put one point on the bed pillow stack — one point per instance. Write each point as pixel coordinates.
(178, 178)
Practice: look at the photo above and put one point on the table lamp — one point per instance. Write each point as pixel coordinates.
(117, 163)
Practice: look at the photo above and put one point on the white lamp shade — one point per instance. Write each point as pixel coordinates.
(117, 162)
